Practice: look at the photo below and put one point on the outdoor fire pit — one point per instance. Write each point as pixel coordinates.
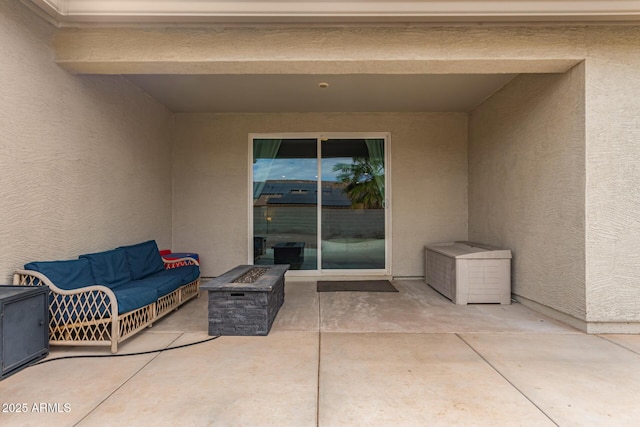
(245, 300)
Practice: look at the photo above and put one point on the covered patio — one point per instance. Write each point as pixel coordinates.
(544, 164)
(345, 358)
(98, 153)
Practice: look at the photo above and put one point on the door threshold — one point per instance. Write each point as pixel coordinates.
(331, 277)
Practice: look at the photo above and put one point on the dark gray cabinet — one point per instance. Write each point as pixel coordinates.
(24, 326)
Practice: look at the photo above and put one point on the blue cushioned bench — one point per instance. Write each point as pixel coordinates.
(106, 297)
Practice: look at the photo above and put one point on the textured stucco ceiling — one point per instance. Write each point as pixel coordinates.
(301, 93)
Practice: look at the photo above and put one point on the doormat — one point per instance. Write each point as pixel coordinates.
(356, 286)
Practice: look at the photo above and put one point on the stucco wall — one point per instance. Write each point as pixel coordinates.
(613, 176)
(85, 161)
(428, 179)
(526, 185)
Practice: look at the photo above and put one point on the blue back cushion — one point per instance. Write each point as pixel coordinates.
(144, 259)
(67, 275)
(109, 268)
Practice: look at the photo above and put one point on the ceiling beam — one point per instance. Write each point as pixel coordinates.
(315, 50)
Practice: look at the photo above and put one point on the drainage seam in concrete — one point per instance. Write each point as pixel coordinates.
(124, 383)
(507, 379)
(618, 344)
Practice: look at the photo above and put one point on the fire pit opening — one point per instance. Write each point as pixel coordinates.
(251, 276)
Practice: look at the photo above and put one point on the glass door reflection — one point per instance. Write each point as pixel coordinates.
(353, 204)
(285, 202)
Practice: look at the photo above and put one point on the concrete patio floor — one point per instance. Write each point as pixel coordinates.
(345, 359)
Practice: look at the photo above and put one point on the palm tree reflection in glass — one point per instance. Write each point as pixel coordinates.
(364, 182)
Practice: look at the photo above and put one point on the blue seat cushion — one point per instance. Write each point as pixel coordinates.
(144, 259)
(162, 284)
(72, 274)
(131, 296)
(186, 274)
(110, 268)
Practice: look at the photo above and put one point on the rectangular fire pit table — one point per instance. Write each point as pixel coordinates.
(245, 300)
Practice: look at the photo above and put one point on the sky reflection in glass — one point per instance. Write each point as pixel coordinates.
(295, 169)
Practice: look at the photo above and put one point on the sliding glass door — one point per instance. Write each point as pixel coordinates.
(319, 203)
(353, 200)
(285, 200)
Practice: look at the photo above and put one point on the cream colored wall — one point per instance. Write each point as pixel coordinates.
(211, 161)
(613, 178)
(526, 185)
(85, 161)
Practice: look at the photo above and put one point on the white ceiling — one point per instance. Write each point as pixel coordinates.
(300, 93)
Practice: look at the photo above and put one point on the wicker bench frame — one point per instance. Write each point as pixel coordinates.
(89, 315)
